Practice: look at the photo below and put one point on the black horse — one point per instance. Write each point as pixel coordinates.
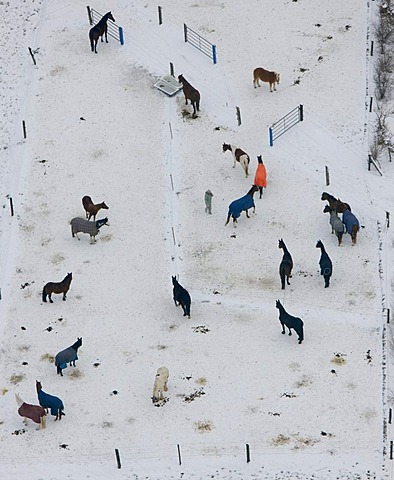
(191, 94)
(286, 265)
(181, 297)
(57, 287)
(325, 264)
(99, 30)
(291, 322)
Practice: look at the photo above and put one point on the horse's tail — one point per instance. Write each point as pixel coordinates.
(18, 399)
(355, 229)
(198, 101)
(44, 294)
(339, 235)
(91, 37)
(228, 219)
(43, 421)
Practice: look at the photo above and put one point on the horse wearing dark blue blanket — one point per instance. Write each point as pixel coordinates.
(291, 322)
(49, 401)
(99, 30)
(325, 264)
(352, 225)
(181, 297)
(241, 204)
(69, 355)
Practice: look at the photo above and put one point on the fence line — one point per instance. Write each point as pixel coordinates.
(207, 48)
(114, 30)
(285, 123)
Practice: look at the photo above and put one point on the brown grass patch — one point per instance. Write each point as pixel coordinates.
(47, 357)
(15, 379)
(204, 426)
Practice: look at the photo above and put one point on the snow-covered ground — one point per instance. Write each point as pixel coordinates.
(97, 126)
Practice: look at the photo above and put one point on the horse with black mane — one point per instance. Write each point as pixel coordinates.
(325, 264)
(181, 297)
(290, 322)
(99, 30)
(57, 287)
(49, 401)
(335, 203)
(68, 355)
(336, 223)
(191, 94)
(241, 204)
(286, 265)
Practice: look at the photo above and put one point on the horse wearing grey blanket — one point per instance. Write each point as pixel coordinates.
(68, 355)
(79, 224)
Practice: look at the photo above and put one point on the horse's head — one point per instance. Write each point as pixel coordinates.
(327, 209)
(38, 386)
(319, 244)
(278, 304)
(281, 243)
(277, 77)
(180, 78)
(110, 16)
(226, 147)
(174, 280)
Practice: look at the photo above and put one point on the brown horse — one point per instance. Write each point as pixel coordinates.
(191, 94)
(99, 30)
(265, 76)
(92, 208)
(335, 203)
(60, 287)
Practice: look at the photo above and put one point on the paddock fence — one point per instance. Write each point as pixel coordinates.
(207, 48)
(114, 30)
(285, 123)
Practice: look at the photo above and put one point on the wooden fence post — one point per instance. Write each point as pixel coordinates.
(172, 70)
(11, 207)
(238, 116)
(370, 104)
(372, 48)
(118, 458)
(185, 31)
(388, 315)
(387, 219)
(24, 129)
(160, 15)
(32, 56)
(179, 455)
(247, 453)
(327, 177)
(90, 15)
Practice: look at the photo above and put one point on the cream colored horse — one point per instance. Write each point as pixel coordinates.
(272, 78)
(160, 385)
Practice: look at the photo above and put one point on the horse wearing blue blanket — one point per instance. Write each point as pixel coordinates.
(241, 204)
(352, 225)
(49, 401)
(69, 355)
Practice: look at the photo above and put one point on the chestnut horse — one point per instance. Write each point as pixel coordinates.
(91, 208)
(265, 76)
(191, 94)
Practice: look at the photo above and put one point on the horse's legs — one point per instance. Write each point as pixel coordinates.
(283, 329)
(106, 38)
(64, 296)
(50, 297)
(289, 330)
